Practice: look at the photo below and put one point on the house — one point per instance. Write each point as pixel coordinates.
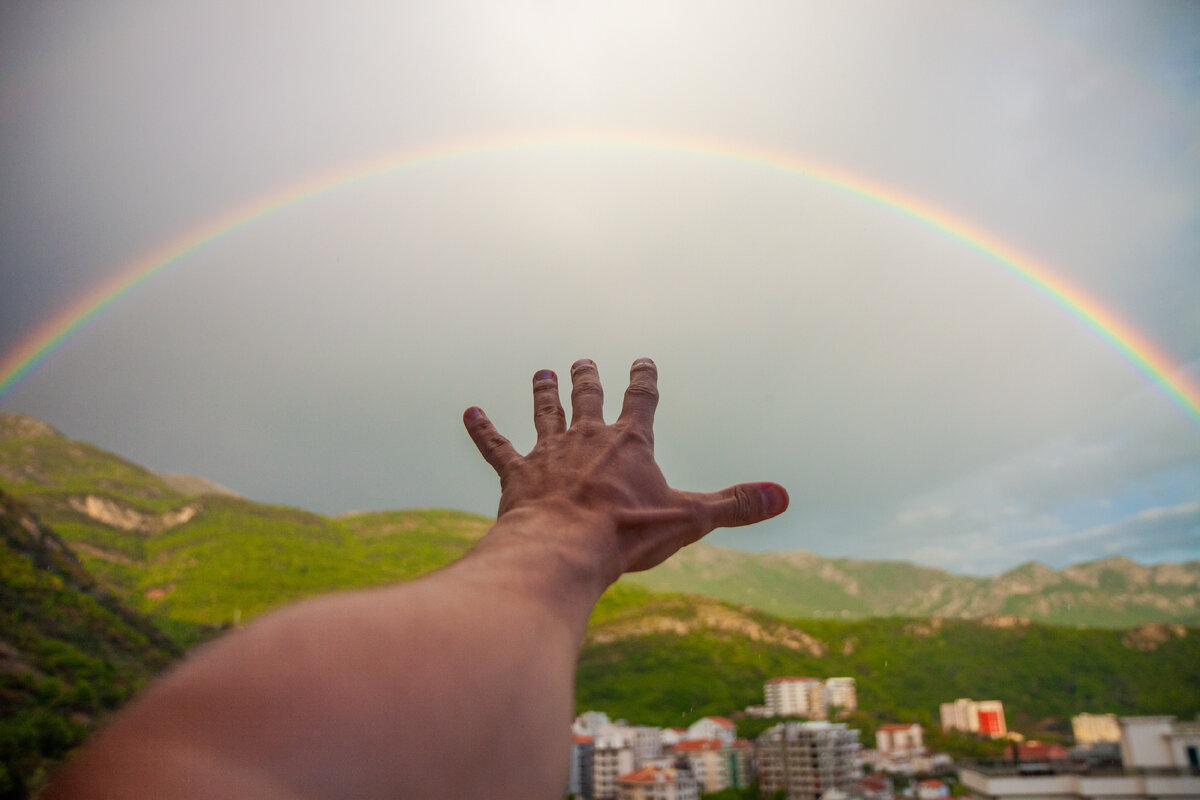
(931, 789)
(713, 728)
(899, 739)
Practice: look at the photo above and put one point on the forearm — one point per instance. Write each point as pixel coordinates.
(388, 692)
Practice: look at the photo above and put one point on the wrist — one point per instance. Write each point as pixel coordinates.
(558, 546)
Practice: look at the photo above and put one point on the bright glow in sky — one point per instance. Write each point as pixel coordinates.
(917, 400)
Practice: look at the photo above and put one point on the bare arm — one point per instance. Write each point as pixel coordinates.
(459, 684)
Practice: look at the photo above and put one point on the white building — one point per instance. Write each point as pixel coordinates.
(1161, 760)
(1160, 742)
(794, 696)
(806, 759)
(1092, 729)
(713, 728)
(971, 716)
(841, 693)
(647, 744)
(658, 783)
(611, 758)
(900, 739)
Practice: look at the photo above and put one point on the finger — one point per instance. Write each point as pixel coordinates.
(743, 504)
(641, 398)
(587, 397)
(548, 415)
(495, 449)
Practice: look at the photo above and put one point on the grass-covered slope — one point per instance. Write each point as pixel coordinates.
(210, 559)
(69, 651)
(675, 659)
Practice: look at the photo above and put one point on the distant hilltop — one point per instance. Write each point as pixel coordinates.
(75, 482)
(1114, 592)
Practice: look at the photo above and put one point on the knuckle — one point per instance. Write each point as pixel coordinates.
(547, 409)
(642, 390)
(743, 503)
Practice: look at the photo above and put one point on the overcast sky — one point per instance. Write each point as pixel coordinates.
(917, 400)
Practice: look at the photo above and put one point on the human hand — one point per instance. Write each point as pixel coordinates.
(608, 473)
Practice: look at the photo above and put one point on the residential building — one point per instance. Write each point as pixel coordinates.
(591, 723)
(1160, 743)
(1090, 729)
(647, 744)
(713, 728)
(795, 696)
(806, 759)
(984, 717)
(579, 783)
(899, 739)
(658, 783)
(1160, 760)
(841, 693)
(611, 758)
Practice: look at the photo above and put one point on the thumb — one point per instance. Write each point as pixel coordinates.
(744, 504)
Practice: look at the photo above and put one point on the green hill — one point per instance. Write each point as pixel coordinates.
(210, 559)
(69, 652)
(675, 659)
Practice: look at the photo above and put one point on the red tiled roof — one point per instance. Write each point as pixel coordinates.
(897, 727)
(698, 744)
(722, 721)
(583, 739)
(648, 775)
(875, 783)
(932, 784)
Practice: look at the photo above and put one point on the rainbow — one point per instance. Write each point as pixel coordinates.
(1137, 349)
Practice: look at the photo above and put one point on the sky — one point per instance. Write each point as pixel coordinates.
(611, 180)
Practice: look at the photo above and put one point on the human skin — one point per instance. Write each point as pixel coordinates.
(457, 684)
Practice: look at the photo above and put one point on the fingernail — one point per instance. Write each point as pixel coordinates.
(473, 413)
(643, 361)
(544, 375)
(583, 362)
(775, 499)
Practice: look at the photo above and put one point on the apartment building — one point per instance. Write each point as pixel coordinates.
(795, 696)
(971, 716)
(841, 693)
(612, 757)
(806, 759)
(579, 780)
(1092, 729)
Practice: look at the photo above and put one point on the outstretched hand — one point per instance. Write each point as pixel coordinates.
(608, 472)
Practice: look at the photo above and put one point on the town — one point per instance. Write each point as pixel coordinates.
(809, 755)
